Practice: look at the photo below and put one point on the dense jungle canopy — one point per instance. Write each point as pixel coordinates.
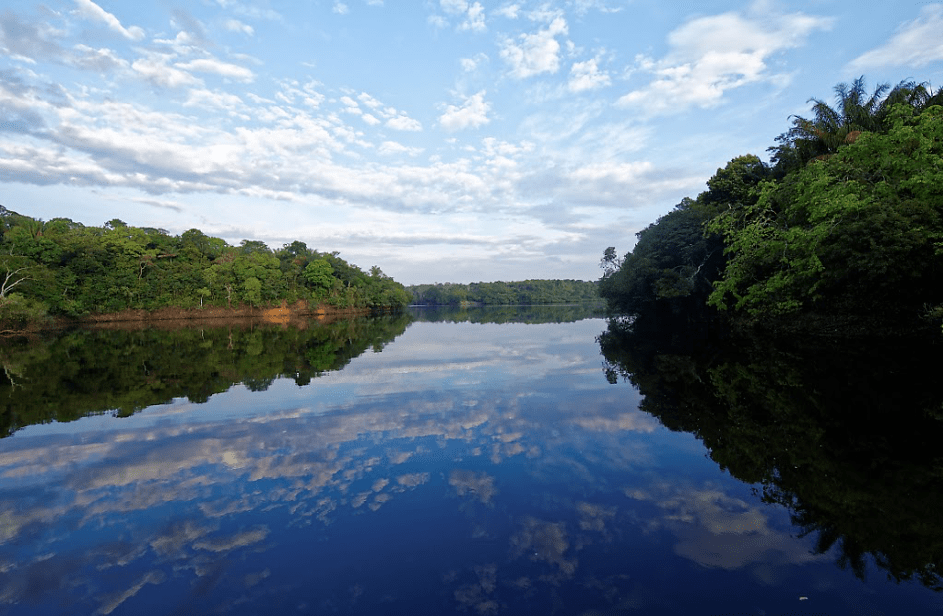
(61, 267)
(844, 224)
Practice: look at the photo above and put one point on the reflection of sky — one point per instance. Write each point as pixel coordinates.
(489, 468)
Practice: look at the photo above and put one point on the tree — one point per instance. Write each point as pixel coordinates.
(859, 231)
(319, 276)
(253, 290)
(855, 112)
(12, 276)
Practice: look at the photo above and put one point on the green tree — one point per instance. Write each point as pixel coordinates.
(319, 276)
(252, 288)
(855, 112)
(859, 231)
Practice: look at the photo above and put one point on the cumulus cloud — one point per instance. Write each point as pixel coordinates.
(472, 15)
(404, 123)
(92, 11)
(912, 44)
(471, 64)
(533, 54)
(587, 76)
(474, 19)
(156, 69)
(511, 11)
(714, 54)
(340, 8)
(471, 114)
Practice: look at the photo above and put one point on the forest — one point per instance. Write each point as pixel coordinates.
(64, 268)
(841, 230)
(524, 292)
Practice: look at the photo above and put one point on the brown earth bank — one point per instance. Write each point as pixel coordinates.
(299, 314)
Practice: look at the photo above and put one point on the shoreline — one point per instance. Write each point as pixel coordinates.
(299, 314)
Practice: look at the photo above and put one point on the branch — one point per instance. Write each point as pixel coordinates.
(7, 285)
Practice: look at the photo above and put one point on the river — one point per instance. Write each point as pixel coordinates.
(454, 463)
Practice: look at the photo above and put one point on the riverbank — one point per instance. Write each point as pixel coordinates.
(298, 314)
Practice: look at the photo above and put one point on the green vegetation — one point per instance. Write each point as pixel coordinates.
(504, 293)
(92, 372)
(847, 222)
(60, 267)
(531, 314)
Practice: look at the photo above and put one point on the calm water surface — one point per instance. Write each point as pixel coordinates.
(475, 468)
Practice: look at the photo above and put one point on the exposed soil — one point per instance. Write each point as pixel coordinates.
(299, 314)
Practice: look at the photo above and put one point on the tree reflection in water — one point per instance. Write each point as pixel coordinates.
(845, 435)
(88, 372)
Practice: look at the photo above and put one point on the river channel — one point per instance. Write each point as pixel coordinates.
(477, 463)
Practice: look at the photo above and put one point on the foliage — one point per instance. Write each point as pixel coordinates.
(504, 293)
(846, 223)
(65, 268)
(674, 263)
(859, 230)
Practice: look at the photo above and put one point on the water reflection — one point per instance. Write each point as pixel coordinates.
(87, 372)
(846, 436)
(489, 469)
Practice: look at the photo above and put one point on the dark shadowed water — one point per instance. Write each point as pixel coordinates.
(424, 468)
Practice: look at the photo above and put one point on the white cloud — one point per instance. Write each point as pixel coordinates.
(155, 68)
(474, 19)
(234, 25)
(454, 7)
(405, 123)
(912, 45)
(710, 55)
(581, 7)
(587, 76)
(97, 59)
(471, 114)
(471, 64)
(369, 101)
(92, 11)
(535, 53)
(370, 119)
(389, 148)
(350, 106)
(214, 100)
(218, 67)
(511, 11)
(340, 8)
(437, 21)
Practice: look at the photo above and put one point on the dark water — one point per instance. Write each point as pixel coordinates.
(389, 467)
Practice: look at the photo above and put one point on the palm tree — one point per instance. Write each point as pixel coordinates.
(854, 112)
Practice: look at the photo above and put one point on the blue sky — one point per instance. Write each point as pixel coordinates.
(442, 140)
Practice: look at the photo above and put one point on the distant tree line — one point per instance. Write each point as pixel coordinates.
(511, 313)
(504, 293)
(845, 221)
(61, 267)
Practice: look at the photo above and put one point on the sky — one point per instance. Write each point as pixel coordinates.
(442, 140)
